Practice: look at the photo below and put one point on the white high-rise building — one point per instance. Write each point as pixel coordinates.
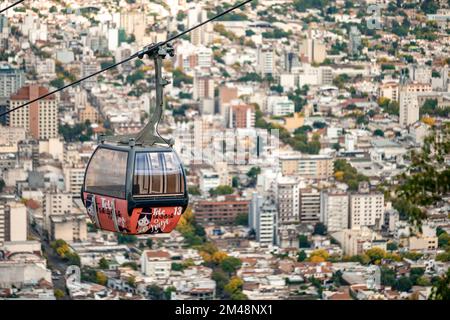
(265, 60)
(288, 194)
(11, 80)
(334, 210)
(409, 108)
(113, 39)
(73, 179)
(202, 35)
(366, 210)
(13, 222)
(262, 213)
(265, 223)
(253, 209)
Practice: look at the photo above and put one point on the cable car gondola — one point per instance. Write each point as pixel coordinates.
(137, 185)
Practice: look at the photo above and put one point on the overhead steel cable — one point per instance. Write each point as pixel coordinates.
(139, 54)
(11, 6)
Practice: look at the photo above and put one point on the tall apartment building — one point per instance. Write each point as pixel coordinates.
(355, 41)
(13, 222)
(312, 50)
(202, 35)
(73, 179)
(265, 223)
(288, 194)
(420, 73)
(389, 90)
(409, 104)
(242, 116)
(261, 218)
(334, 210)
(40, 119)
(309, 206)
(265, 60)
(366, 210)
(11, 80)
(203, 86)
(56, 204)
(222, 210)
(307, 166)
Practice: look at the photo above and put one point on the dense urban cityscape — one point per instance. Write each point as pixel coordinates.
(315, 137)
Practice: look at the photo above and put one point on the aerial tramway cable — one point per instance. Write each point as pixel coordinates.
(11, 6)
(139, 54)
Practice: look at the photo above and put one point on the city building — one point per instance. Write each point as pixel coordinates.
(40, 119)
(265, 62)
(354, 45)
(203, 87)
(366, 209)
(13, 222)
(222, 210)
(307, 166)
(309, 206)
(242, 116)
(334, 210)
(288, 192)
(312, 50)
(156, 264)
(280, 106)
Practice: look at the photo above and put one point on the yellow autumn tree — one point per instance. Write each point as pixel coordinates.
(101, 278)
(235, 284)
(185, 225)
(339, 175)
(376, 254)
(429, 121)
(319, 255)
(219, 256)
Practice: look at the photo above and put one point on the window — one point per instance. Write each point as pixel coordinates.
(106, 174)
(157, 173)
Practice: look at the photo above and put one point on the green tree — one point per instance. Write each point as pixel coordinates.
(230, 264)
(155, 292)
(241, 219)
(441, 289)
(392, 246)
(125, 238)
(131, 264)
(194, 190)
(221, 190)
(103, 263)
(168, 292)
(149, 243)
(378, 133)
(387, 276)
(320, 229)
(403, 284)
(427, 180)
(301, 256)
(303, 241)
